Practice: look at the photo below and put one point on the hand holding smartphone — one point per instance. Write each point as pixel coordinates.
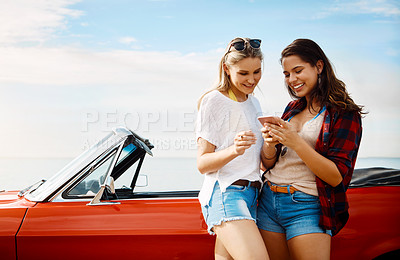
(268, 119)
(272, 120)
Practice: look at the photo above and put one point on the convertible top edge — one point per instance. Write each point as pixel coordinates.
(375, 176)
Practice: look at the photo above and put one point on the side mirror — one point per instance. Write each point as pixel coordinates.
(109, 185)
(142, 181)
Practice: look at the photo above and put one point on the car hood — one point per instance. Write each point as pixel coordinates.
(10, 199)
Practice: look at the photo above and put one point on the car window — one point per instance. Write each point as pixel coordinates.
(90, 185)
(129, 149)
(125, 180)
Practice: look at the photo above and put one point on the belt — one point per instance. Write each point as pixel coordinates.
(256, 184)
(281, 189)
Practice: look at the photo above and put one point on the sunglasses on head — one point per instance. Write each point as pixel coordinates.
(240, 44)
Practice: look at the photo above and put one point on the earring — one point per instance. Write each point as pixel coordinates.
(319, 79)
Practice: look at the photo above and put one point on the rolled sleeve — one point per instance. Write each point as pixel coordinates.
(344, 142)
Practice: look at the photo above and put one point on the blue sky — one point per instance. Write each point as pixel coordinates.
(71, 70)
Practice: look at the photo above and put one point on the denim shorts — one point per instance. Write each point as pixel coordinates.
(236, 203)
(292, 214)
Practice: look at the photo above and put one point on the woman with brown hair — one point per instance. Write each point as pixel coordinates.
(310, 153)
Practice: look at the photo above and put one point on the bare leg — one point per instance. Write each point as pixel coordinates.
(242, 239)
(276, 245)
(220, 251)
(310, 246)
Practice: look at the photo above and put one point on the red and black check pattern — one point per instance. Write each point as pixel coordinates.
(338, 141)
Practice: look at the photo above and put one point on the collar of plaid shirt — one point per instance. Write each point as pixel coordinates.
(338, 141)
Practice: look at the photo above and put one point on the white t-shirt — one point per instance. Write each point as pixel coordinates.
(218, 121)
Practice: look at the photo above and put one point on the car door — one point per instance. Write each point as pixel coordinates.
(135, 228)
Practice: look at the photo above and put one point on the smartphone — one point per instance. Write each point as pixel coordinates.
(268, 119)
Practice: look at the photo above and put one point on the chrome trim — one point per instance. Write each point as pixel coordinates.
(61, 199)
(158, 198)
(105, 156)
(120, 201)
(21, 193)
(58, 195)
(60, 181)
(104, 203)
(96, 199)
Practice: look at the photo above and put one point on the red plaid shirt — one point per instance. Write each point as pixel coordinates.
(338, 141)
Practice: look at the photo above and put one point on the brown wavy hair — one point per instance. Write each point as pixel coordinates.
(330, 91)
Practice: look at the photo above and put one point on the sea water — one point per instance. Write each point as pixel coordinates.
(162, 174)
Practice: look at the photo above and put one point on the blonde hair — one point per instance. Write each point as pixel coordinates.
(231, 57)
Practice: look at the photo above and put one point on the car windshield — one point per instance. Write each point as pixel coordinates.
(76, 162)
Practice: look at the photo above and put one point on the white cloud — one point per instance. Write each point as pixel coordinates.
(376, 7)
(53, 87)
(80, 67)
(127, 40)
(33, 21)
(392, 52)
(58, 85)
(47, 90)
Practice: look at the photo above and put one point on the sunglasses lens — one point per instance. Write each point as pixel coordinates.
(239, 46)
(255, 43)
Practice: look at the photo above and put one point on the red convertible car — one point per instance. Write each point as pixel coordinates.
(91, 209)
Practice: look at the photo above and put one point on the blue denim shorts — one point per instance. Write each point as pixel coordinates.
(292, 214)
(236, 203)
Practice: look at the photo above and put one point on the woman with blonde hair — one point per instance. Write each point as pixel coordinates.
(229, 145)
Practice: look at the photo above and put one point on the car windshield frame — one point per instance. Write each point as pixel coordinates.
(49, 188)
(130, 153)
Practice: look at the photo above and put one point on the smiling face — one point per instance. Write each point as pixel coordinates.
(244, 76)
(300, 76)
